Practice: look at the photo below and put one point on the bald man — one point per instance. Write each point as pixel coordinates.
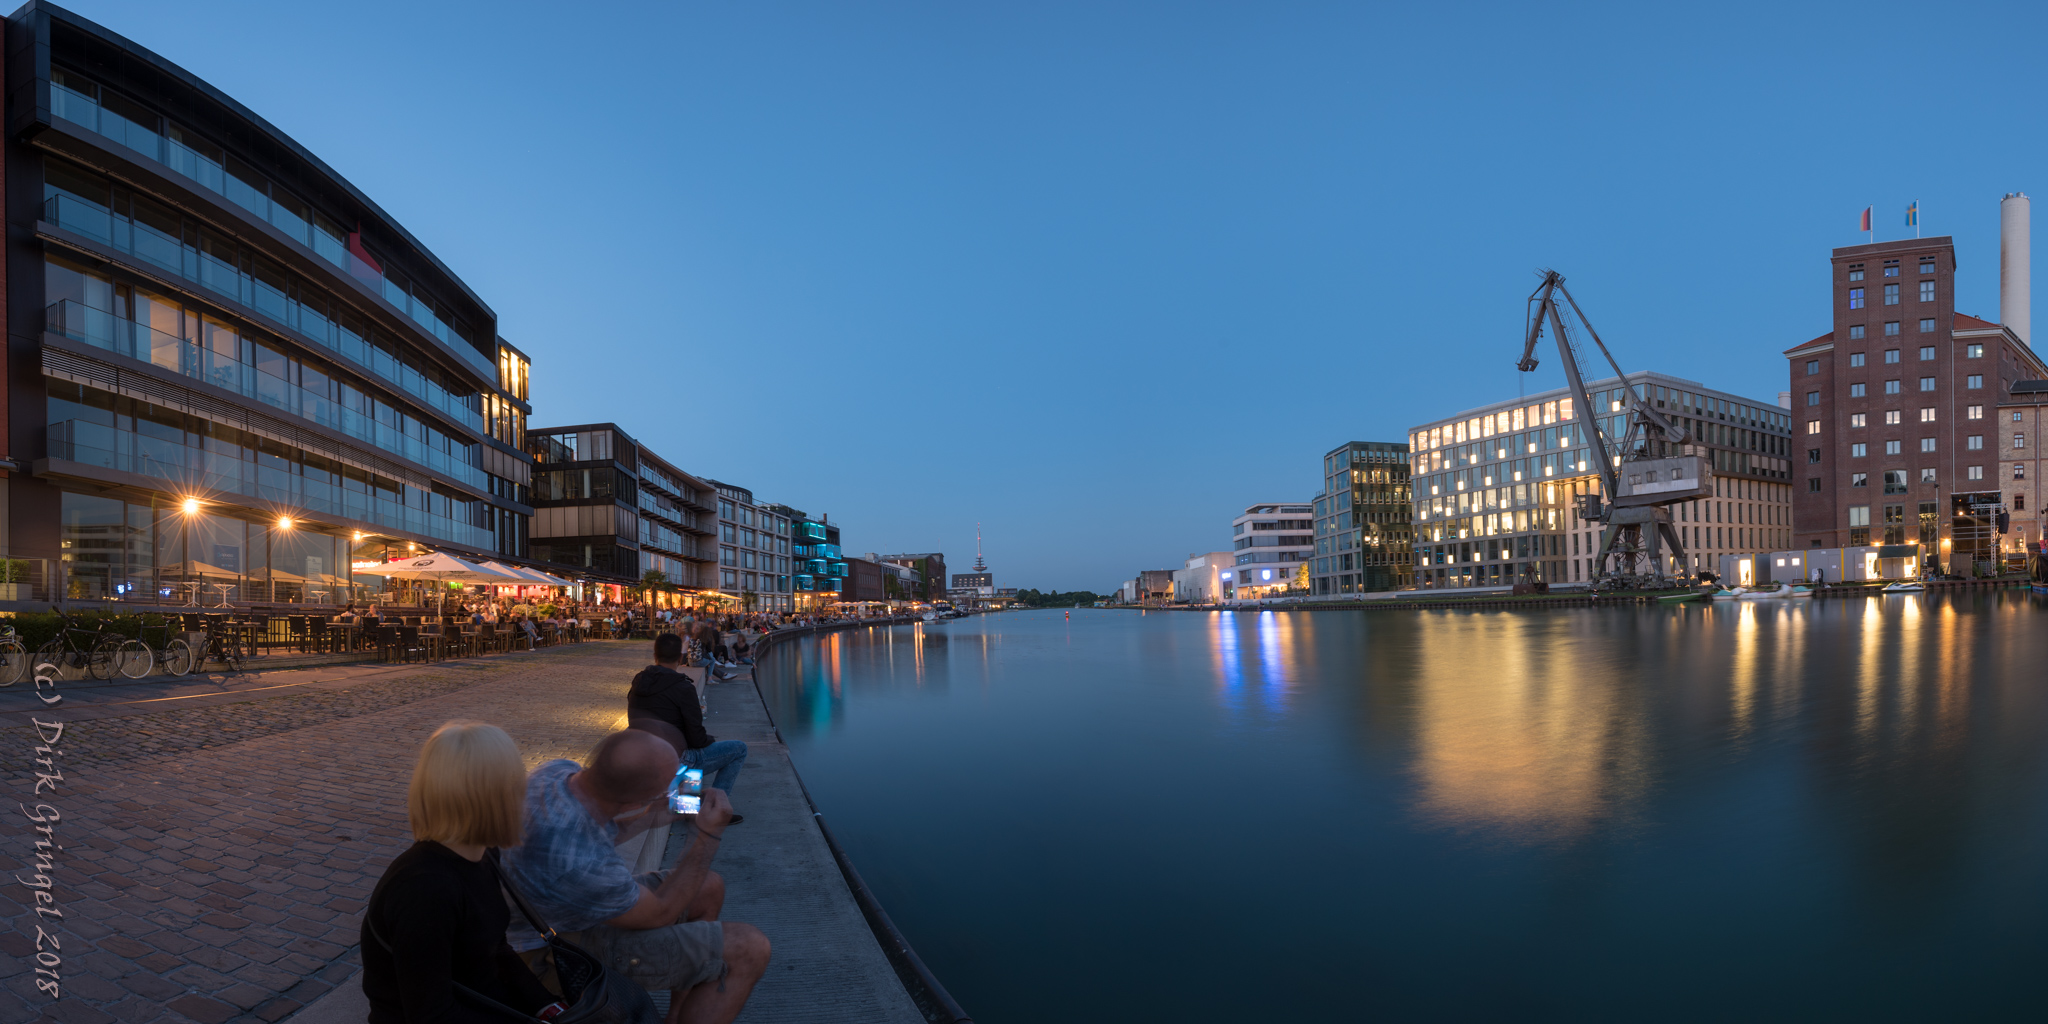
(661, 929)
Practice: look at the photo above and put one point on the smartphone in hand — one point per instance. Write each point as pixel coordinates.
(686, 792)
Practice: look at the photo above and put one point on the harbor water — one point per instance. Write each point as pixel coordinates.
(1774, 810)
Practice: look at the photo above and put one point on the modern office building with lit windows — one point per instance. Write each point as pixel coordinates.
(609, 510)
(819, 568)
(1364, 521)
(204, 315)
(1495, 486)
(1271, 543)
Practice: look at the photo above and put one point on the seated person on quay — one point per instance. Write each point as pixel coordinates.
(662, 693)
(660, 929)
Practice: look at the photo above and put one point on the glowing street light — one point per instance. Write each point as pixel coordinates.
(191, 506)
(284, 522)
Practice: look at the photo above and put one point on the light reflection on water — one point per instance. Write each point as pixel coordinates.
(1594, 808)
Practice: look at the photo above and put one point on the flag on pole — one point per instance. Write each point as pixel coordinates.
(1866, 219)
(1913, 213)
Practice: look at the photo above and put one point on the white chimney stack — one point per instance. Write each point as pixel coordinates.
(2015, 302)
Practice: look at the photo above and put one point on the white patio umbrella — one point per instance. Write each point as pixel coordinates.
(439, 566)
(528, 575)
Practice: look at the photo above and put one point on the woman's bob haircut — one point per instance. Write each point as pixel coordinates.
(469, 787)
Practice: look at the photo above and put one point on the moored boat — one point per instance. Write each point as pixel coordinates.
(1905, 587)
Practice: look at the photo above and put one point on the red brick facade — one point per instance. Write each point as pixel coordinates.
(1881, 390)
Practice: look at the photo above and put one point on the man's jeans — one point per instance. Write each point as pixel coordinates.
(721, 761)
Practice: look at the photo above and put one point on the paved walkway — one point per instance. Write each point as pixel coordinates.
(219, 842)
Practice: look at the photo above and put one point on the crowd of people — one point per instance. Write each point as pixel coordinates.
(441, 944)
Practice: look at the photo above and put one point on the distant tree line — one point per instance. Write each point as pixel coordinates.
(1056, 599)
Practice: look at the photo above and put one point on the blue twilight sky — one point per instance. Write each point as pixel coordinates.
(1098, 275)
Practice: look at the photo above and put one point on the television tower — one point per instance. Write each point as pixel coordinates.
(979, 565)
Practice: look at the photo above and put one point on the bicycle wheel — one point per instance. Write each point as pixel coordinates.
(51, 658)
(13, 662)
(176, 658)
(101, 662)
(133, 658)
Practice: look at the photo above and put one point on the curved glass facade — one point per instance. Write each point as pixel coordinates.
(222, 319)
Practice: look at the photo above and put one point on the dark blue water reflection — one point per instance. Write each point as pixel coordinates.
(1789, 811)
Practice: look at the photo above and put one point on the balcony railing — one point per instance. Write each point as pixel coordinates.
(102, 329)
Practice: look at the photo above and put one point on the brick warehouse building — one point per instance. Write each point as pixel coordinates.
(1894, 433)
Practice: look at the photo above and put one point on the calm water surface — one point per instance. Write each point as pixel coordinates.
(1795, 811)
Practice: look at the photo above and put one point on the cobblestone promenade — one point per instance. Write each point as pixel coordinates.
(216, 859)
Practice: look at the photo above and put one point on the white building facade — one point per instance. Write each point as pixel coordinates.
(1270, 543)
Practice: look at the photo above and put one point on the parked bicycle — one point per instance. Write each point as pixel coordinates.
(14, 659)
(173, 656)
(224, 644)
(95, 652)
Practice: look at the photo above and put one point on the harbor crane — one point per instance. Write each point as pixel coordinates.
(1641, 476)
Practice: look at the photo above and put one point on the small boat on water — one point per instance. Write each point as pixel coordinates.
(1905, 587)
(1776, 592)
(1728, 595)
(1676, 598)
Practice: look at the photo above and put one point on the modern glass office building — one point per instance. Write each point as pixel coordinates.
(820, 567)
(607, 505)
(1364, 521)
(227, 364)
(1495, 486)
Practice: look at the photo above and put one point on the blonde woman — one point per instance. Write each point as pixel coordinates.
(437, 920)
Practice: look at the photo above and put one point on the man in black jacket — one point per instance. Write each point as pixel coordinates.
(662, 693)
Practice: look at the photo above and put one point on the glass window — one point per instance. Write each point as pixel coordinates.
(1859, 479)
(1975, 473)
(1813, 484)
(1975, 442)
(1891, 447)
(1926, 353)
(2019, 440)
(1813, 398)
(1812, 455)
(1891, 268)
(1856, 419)
(1926, 383)
(1858, 450)
(1975, 381)
(1973, 352)
(1891, 294)
(1891, 387)
(1891, 417)
(1813, 426)
(1855, 332)
(1927, 327)
(1891, 330)
(1856, 391)
(1891, 355)
(1927, 476)
(1927, 291)
(1927, 266)
(1926, 444)
(1855, 298)
(1975, 412)
(1812, 367)
(1855, 359)
(1855, 271)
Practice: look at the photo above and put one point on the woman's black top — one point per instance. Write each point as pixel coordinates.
(445, 920)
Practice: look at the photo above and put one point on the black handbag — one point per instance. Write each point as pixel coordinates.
(594, 993)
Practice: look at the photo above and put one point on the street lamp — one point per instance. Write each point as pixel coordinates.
(269, 568)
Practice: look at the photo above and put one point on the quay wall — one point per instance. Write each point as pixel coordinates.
(931, 997)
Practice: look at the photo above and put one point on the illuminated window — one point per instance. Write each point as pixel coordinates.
(1975, 412)
(1813, 426)
(1855, 298)
(1891, 417)
(1857, 419)
(1975, 473)
(1973, 352)
(1927, 415)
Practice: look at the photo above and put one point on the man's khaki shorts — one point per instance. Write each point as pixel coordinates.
(682, 955)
